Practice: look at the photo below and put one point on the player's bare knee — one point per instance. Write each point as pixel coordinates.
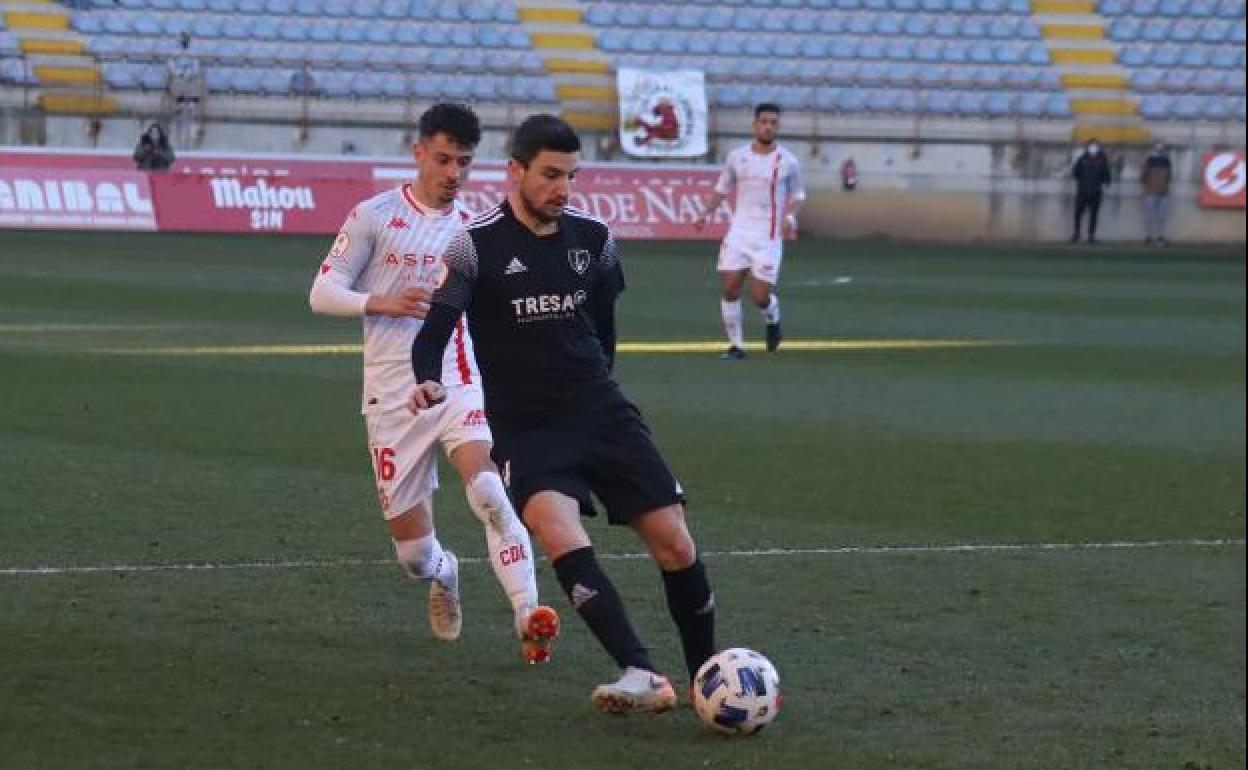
(417, 557)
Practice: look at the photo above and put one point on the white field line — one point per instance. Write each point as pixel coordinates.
(687, 346)
(884, 550)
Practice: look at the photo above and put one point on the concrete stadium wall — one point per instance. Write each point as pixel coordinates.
(994, 192)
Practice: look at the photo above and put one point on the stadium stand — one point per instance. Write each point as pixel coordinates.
(1110, 67)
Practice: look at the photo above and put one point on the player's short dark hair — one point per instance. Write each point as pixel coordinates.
(457, 121)
(766, 107)
(542, 132)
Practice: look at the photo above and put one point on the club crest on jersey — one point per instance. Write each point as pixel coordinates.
(579, 260)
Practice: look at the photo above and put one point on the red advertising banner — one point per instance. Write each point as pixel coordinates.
(1222, 180)
(75, 199)
(240, 204)
(310, 194)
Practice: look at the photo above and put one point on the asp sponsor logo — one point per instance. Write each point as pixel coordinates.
(547, 307)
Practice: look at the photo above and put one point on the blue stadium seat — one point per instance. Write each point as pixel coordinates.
(1172, 8)
(803, 23)
(901, 73)
(954, 52)
(1112, 7)
(1000, 104)
(973, 27)
(887, 25)
(1124, 29)
(982, 52)
(1155, 107)
(939, 102)
(1038, 55)
(991, 78)
(86, 23)
(1235, 81)
(871, 48)
(1029, 105)
(1216, 109)
(928, 50)
(881, 101)
(1184, 31)
(831, 24)
(871, 74)
(279, 7)
(945, 26)
(900, 50)
(972, 104)
(1165, 56)
(1194, 56)
(961, 77)
(1144, 7)
(860, 24)
(1155, 30)
(1187, 106)
(934, 77)
(1145, 80)
(1231, 9)
(1133, 56)
(192, 5)
(850, 100)
(917, 25)
(1177, 80)
(1057, 106)
(1214, 31)
(1209, 81)
(1202, 9)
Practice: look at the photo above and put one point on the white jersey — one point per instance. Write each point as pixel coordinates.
(389, 243)
(764, 185)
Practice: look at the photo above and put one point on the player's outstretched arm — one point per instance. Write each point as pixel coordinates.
(427, 351)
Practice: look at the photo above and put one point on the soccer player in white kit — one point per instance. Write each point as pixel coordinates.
(383, 266)
(768, 182)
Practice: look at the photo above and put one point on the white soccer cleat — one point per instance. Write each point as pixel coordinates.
(636, 691)
(446, 618)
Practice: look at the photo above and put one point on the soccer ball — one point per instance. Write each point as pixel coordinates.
(737, 692)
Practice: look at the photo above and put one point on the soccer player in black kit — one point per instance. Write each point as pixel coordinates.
(538, 282)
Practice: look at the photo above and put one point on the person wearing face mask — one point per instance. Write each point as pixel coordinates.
(1155, 178)
(1091, 175)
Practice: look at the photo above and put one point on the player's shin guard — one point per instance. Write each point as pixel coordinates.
(508, 543)
(598, 604)
(730, 311)
(692, 606)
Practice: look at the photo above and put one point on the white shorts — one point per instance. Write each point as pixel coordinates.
(401, 445)
(759, 254)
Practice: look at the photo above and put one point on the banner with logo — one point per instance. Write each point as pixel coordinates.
(662, 114)
(239, 204)
(1222, 180)
(310, 194)
(68, 199)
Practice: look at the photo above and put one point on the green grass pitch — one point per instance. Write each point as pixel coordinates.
(846, 497)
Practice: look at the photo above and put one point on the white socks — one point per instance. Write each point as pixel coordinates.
(771, 313)
(506, 539)
(424, 559)
(731, 312)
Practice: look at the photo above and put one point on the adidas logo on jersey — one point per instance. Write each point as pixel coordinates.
(581, 594)
(515, 266)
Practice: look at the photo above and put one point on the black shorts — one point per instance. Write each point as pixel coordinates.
(604, 450)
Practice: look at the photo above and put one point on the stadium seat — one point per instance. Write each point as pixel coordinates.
(1057, 106)
(1209, 81)
(1145, 80)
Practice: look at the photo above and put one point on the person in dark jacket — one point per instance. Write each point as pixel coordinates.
(1091, 175)
(153, 152)
(1155, 178)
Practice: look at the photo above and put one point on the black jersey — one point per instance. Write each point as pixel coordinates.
(540, 310)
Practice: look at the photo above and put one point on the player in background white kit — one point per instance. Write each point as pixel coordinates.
(768, 183)
(383, 266)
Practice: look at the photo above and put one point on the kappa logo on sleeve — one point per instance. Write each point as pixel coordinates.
(341, 244)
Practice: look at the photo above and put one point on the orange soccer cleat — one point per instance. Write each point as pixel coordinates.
(541, 629)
